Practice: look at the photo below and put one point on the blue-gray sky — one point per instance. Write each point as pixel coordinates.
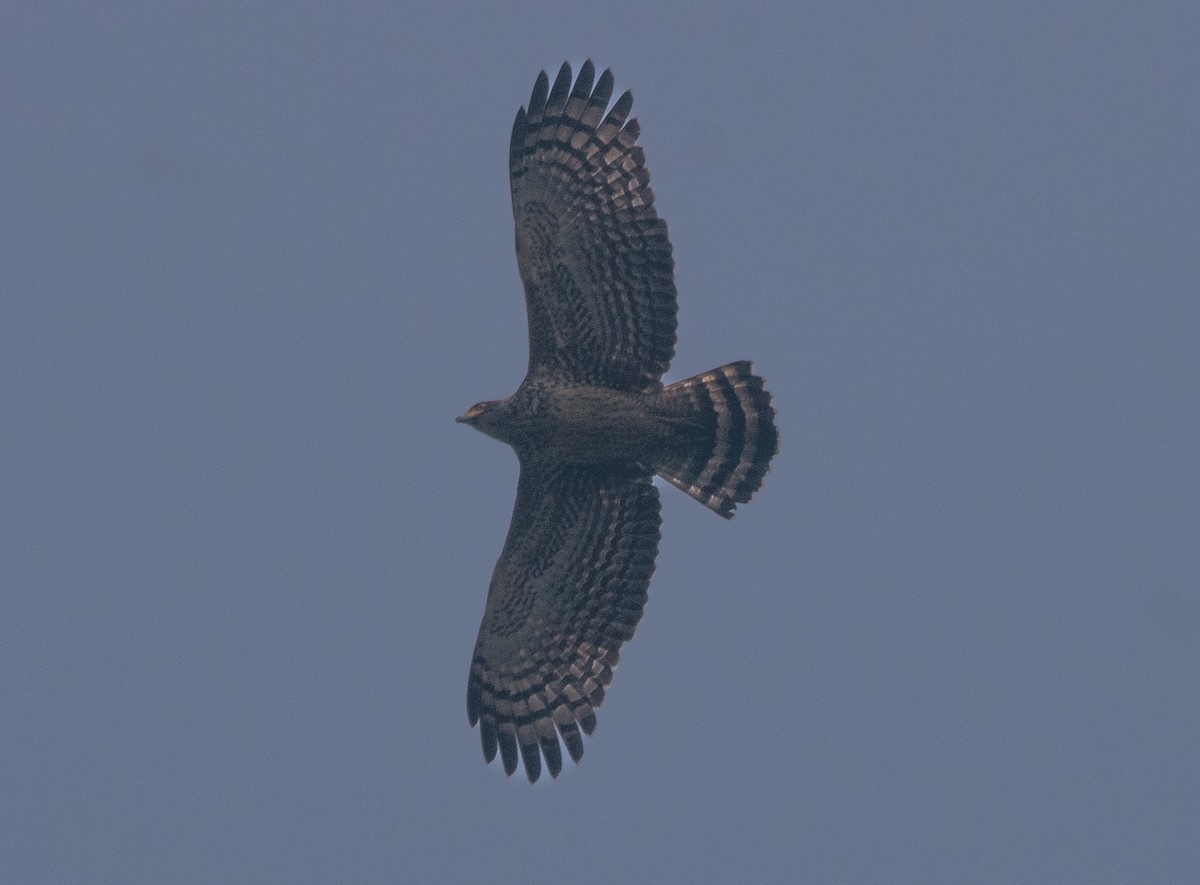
(253, 261)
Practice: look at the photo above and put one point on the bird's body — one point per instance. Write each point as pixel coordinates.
(582, 424)
(591, 424)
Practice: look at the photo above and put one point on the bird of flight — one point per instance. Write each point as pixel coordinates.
(591, 424)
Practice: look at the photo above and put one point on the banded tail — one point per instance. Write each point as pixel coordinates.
(730, 439)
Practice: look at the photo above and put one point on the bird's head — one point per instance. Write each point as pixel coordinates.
(474, 412)
(482, 416)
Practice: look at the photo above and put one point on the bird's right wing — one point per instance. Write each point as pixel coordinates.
(568, 590)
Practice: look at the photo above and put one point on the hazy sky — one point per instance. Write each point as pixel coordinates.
(254, 261)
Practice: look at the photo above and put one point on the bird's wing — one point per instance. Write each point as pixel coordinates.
(568, 590)
(593, 254)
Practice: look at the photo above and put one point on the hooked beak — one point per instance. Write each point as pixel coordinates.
(461, 419)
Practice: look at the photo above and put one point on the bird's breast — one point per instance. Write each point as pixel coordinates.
(581, 424)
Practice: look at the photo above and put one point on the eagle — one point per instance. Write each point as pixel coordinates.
(591, 424)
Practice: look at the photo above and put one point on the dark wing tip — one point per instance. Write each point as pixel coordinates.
(604, 86)
(621, 109)
(583, 83)
(533, 761)
(516, 141)
(474, 698)
(537, 99)
(487, 737)
(553, 754)
(570, 736)
(508, 751)
(588, 723)
(562, 86)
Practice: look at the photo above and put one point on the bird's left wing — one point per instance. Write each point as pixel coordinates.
(568, 590)
(593, 253)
